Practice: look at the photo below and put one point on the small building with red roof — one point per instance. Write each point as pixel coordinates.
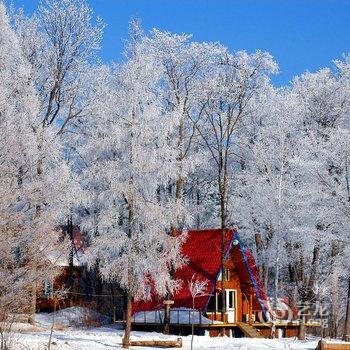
(71, 263)
(246, 310)
(244, 298)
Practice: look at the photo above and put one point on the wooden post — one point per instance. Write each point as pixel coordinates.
(346, 336)
(167, 306)
(250, 308)
(302, 328)
(192, 325)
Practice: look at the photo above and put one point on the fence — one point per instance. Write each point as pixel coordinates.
(177, 316)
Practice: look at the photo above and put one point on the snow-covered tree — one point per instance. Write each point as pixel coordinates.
(24, 240)
(134, 160)
(198, 288)
(60, 42)
(324, 96)
(265, 187)
(184, 64)
(225, 100)
(180, 131)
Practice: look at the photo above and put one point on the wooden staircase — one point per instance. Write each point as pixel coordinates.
(248, 330)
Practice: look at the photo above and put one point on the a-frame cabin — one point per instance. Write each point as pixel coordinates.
(245, 298)
(247, 312)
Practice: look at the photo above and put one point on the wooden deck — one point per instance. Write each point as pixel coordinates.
(181, 324)
(225, 325)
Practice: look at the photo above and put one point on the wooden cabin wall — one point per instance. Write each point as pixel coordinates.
(59, 282)
(111, 299)
(246, 292)
(243, 289)
(242, 295)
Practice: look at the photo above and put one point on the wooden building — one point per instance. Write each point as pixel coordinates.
(247, 310)
(83, 286)
(72, 270)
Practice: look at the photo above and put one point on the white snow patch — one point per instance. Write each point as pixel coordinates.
(73, 316)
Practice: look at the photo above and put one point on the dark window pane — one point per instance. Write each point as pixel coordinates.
(211, 304)
(219, 302)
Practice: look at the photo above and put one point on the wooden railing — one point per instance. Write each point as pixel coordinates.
(177, 316)
(181, 316)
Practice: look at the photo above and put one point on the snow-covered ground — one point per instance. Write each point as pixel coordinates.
(111, 338)
(106, 337)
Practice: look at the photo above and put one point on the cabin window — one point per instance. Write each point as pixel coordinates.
(219, 301)
(227, 275)
(48, 288)
(212, 303)
(215, 303)
(230, 299)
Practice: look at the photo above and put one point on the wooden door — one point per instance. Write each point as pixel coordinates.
(231, 305)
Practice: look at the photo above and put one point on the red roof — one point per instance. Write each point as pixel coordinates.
(203, 250)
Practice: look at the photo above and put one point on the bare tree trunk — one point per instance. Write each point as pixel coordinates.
(260, 252)
(180, 182)
(223, 294)
(131, 216)
(38, 213)
(313, 274)
(126, 339)
(52, 326)
(309, 292)
(223, 212)
(300, 276)
(198, 201)
(302, 329)
(192, 326)
(346, 335)
(179, 188)
(70, 259)
(334, 300)
(167, 306)
(33, 305)
(98, 286)
(276, 281)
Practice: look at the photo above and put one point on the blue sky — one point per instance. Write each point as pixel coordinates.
(301, 35)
